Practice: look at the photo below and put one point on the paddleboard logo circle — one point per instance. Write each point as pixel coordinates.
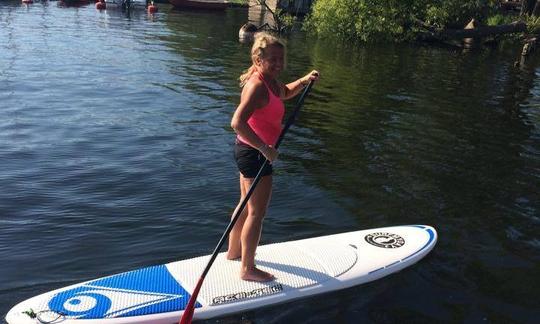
(385, 240)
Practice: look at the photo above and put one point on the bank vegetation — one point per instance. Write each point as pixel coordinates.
(426, 20)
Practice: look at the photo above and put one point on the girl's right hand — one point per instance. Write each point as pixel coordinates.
(269, 152)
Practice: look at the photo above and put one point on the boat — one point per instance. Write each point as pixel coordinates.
(200, 4)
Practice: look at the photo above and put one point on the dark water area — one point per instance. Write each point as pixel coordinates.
(116, 153)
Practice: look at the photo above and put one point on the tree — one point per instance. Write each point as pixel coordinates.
(372, 20)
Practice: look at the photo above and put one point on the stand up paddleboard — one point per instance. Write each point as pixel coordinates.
(302, 268)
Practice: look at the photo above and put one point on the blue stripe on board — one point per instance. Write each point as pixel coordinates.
(146, 291)
(431, 238)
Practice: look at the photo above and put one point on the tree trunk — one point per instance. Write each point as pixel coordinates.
(515, 27)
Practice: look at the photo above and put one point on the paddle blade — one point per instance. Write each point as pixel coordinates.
(190, 308)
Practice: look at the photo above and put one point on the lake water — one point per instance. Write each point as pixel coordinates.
(116, 153)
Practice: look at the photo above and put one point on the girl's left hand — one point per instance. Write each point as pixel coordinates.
(311, 76)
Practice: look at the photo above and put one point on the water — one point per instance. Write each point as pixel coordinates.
(115, 153)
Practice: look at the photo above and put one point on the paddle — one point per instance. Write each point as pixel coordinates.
(190, 308)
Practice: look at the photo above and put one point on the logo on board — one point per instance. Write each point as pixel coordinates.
(385, 240)
(140, 292)
(247, 294)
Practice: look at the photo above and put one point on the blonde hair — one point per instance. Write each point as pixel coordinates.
(262, 41)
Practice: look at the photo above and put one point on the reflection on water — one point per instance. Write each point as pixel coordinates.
(115, 148)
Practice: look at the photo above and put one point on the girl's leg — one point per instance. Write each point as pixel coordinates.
(251, 232)
(235, 247)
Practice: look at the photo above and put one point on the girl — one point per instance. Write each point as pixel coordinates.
(257, 123)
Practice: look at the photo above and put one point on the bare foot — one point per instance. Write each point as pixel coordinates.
(256, 275)
(233, 256)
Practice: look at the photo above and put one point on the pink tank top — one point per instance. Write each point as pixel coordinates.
(266, 121)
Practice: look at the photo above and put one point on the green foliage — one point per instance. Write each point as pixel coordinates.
(239, 2)
(286, 21)
(499, 19)
(456, 13)
(373, 20)
(533, 24)
(364, 19)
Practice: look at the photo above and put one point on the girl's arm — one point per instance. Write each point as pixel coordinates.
(292, 89)
(254, 95)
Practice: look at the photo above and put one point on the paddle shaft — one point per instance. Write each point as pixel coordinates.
(188, 312)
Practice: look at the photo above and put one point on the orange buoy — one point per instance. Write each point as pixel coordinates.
(151, 8)
(101, 5)
(27, 1)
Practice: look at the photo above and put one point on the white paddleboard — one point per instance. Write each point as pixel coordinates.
(158, 294)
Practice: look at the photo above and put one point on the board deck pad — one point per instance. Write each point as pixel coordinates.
(312, 265)
(159, 294)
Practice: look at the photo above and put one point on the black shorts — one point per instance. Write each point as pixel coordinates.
(249, 161)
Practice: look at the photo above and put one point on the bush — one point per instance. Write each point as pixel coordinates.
(372, 20)
(533, 24)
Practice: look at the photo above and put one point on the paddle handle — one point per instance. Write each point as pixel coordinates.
(190, 308)
(294, 114)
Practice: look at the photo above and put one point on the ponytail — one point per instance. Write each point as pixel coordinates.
(246, 75)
